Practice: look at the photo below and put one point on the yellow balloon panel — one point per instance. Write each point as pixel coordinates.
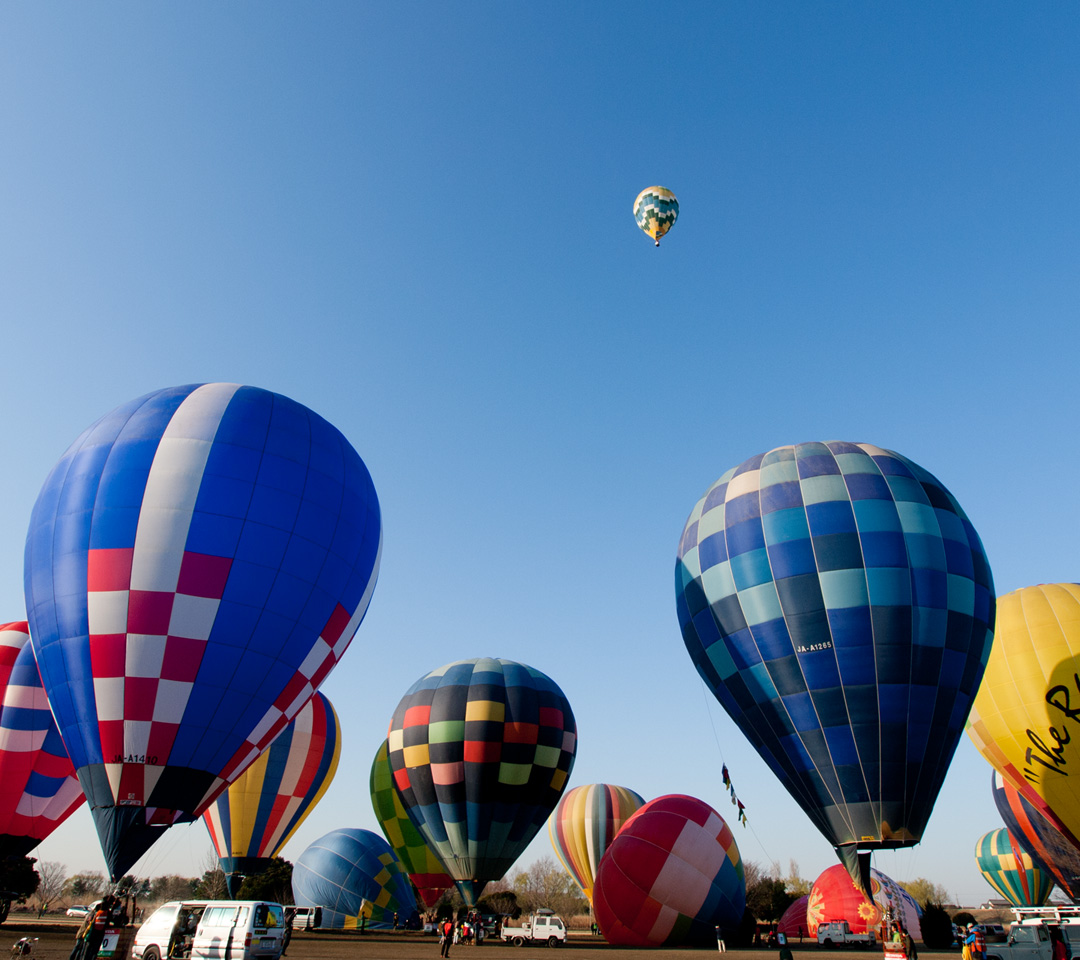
(1026, 716)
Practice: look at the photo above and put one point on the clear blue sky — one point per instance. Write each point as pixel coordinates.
(416, 219)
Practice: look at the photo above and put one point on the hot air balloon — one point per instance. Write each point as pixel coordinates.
(834, 896)
(196, 564)
(352, 874)
(1026, 718)
(584, 824)
(839, 604)
(655, 210)
(793, 924)
(1010, 871)
(40, 788)
(419, 860)
(1049, 849)
(251, 821)
(671, 876)
(481, 751)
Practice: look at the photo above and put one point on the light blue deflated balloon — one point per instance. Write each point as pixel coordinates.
(353, 873)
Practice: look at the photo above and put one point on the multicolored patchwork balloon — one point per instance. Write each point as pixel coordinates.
(1050, 850)
(353, 874)
(40, 789)
(1010, 871)
(481, 751)
(196, 564)
(671, 876)
(655, 210)
(252, 820)
(419, 860)
(1026, 718)
(584, 824)
(840, 606)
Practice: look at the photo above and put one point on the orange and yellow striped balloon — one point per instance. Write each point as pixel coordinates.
(583, 825)
(257, 815)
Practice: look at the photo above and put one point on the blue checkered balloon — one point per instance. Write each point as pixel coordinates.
(839, 604)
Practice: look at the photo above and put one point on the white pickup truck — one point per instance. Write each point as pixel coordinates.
(539, 928)
(1029, 938)
(837, 933)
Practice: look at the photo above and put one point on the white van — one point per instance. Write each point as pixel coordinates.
(212, 930)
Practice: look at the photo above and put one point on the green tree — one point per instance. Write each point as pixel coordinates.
(502, 902)
(547, 884)
(84, 887)
(936, 926)
(924, 891)
(768, 899)
(794, 884)
(171, 887)
(274, 883)
(963, 918)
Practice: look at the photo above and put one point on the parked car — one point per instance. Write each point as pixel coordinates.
(212, 930)
(77, 910)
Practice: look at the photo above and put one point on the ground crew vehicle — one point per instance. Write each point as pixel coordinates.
(1031, 936)
(539, 928)
(838, 933)
(212, 930)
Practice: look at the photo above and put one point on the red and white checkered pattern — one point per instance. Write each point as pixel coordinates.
(151, 607)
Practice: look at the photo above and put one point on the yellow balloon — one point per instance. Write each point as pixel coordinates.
(1026, 716)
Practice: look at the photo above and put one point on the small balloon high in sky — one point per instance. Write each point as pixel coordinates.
(656, 211)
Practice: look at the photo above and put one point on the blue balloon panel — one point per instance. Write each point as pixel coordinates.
(351, 874)
(196, 563)
(840, 606)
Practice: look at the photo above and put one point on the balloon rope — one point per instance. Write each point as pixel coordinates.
(727, 779)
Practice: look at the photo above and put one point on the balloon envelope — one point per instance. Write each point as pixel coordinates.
(839, 604)
(1010, 871)
(671, 876)
(40, 788)
(834, 896)
(1048, 847)
(347, 867)
(656, 210)
(584, 824)
(419, 860)
(1025, 720)
(481, 751)
(196, 563)
(793, 924)
(252, 820)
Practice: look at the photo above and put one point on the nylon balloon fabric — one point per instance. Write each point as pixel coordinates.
(252, 820)
(656, 209)
(481, 751)
(834, 896)
(419, 860)
(583, 825)
(40, 787)
(1048, 847)
(1010, 871)
(1026, 718)
(347, 867)
(196, 564)
(671, 876)
(838, 603)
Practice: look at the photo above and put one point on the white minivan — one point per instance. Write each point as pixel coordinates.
(212, 930)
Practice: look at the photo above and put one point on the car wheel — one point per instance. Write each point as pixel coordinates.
(553, 941)
(519, 941)
(827, 944)
(151, 953)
